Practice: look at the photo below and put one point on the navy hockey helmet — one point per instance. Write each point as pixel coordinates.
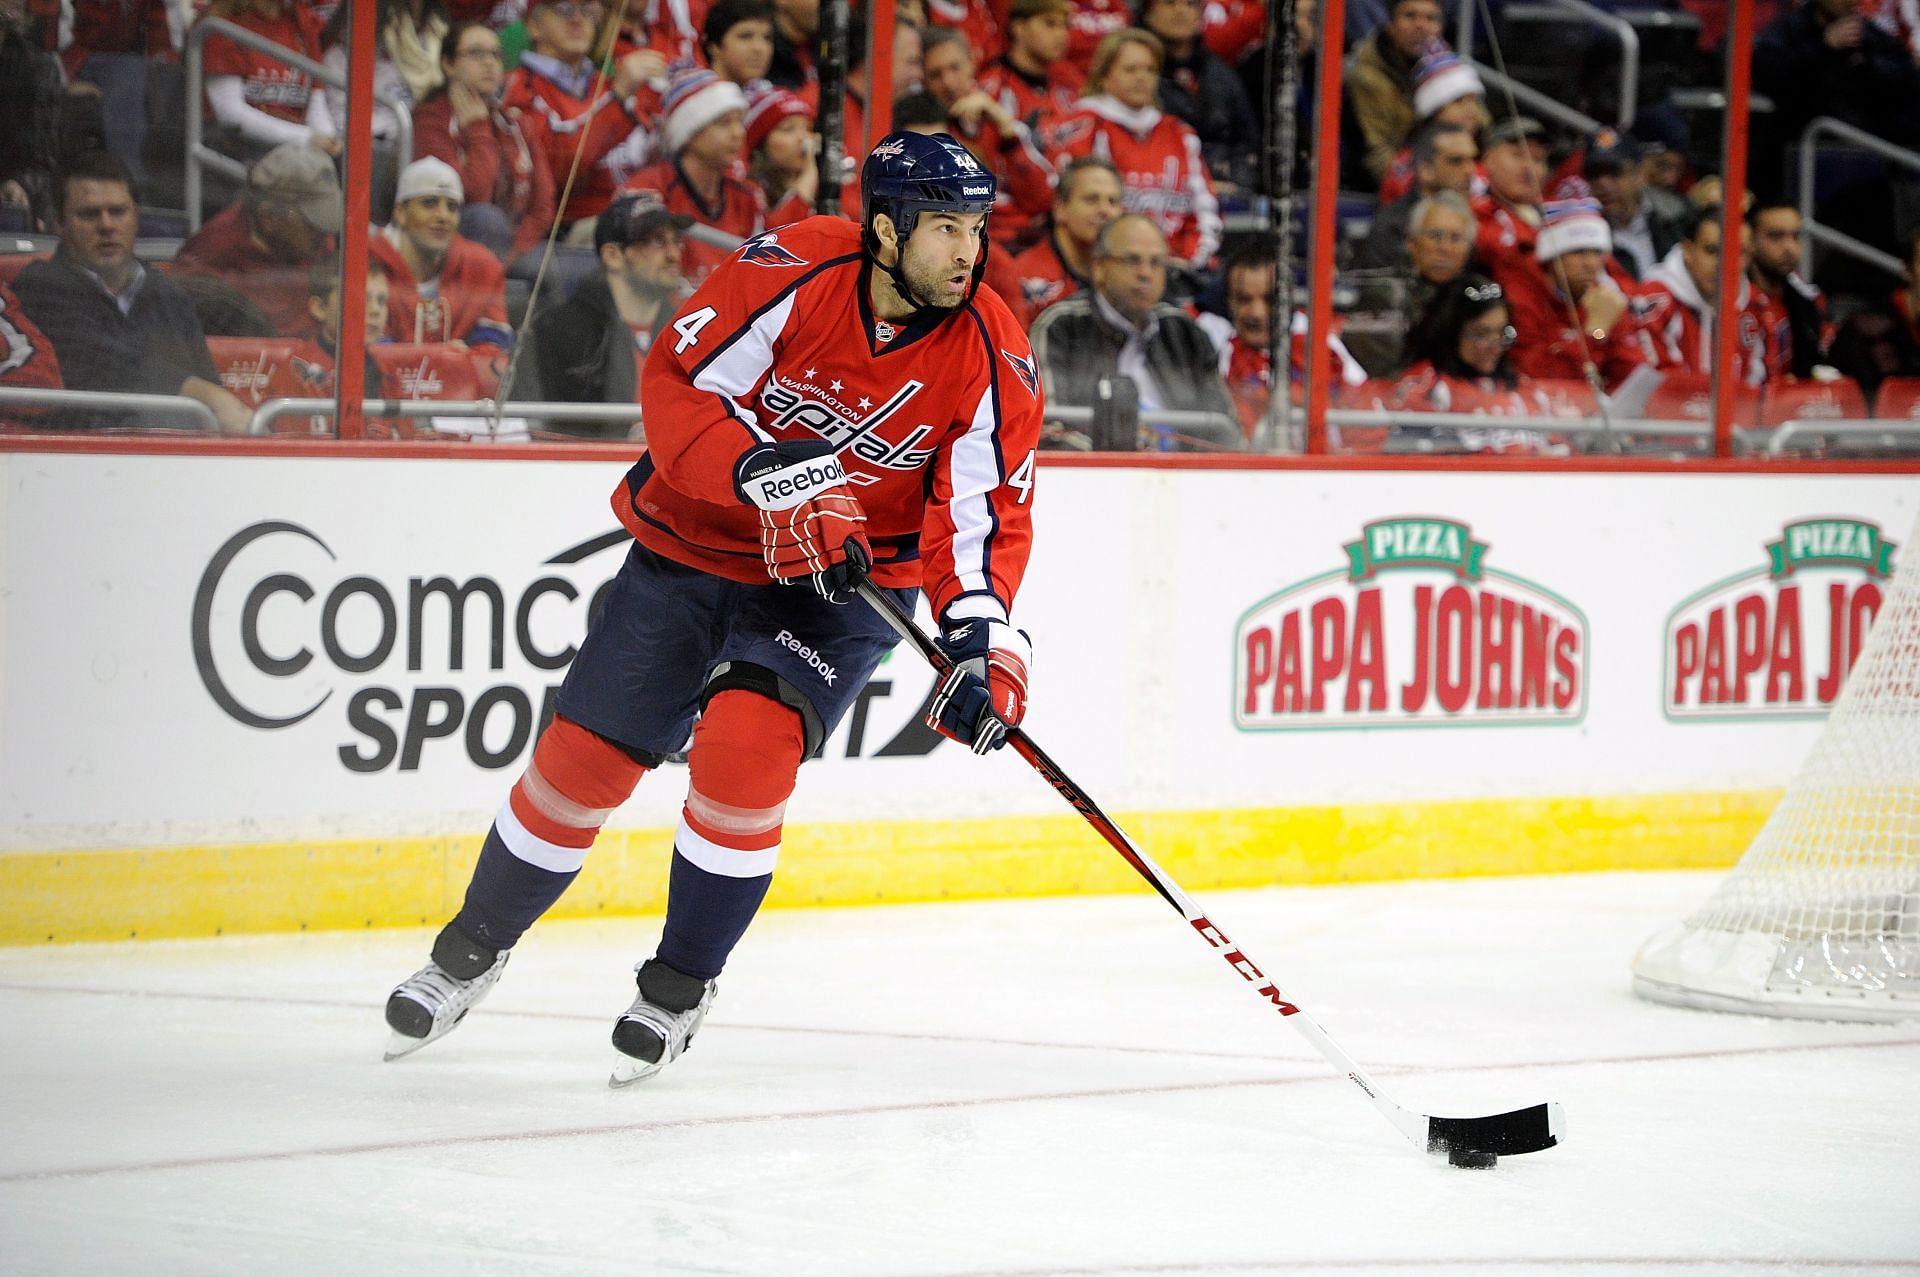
(908, 174)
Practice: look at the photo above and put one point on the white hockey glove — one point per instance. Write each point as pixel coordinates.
(986, 691)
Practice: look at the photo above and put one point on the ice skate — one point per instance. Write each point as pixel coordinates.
(430, 1002)
(661, 1022)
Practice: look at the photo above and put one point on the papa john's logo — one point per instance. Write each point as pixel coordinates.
(1414, 630)
(1778, 639)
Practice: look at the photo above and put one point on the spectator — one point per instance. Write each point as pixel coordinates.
(323, 321)
(1379, 82)
(1826, 58)
(1460, 364)
(780, 146)
(1260, 75)
(1791, 313)
(1032, 80)
(444, 287)
(1674, 310)
(590, 348)
(504, 176)
(1443, 160)
(990, 132)
(1090, 194)
(1243, 337)
(27, 362)
(1435, 252)
(115, 325)
(1446, 91)
(737, 39)
(1158, 156)
(1509, 213)
(1124, 329)
(261, 101)
(796, 24)
(407, 65)
(111, 46)
(1236, 29)
(266, 240)
(1642, 234)
(555, 85)
(972, 20)
(1199, 88)
(1089, 22)
(1882, 338)
(1566, 313)
(702, 129)
(46, 119)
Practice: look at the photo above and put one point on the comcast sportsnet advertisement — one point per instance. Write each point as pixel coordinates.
(1421, 624)
(1778, 637)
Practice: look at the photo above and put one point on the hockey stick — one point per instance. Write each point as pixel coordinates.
(1464, 1141)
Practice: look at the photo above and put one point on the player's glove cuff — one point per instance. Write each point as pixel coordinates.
(780, 476)
(985, 693)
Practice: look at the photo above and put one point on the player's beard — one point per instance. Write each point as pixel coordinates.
(926, 285)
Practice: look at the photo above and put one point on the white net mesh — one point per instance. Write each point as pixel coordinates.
(1821, 917)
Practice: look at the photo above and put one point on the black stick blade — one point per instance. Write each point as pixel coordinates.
(1526, 1130)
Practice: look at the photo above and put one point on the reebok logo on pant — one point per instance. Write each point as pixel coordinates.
(786, 639)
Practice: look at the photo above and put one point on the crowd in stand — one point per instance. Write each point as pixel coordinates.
(615, 153)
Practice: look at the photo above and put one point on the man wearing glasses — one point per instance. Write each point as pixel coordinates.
(606, 120)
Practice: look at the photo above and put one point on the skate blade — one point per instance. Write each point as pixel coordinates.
(627, 1071)
(399, 1044)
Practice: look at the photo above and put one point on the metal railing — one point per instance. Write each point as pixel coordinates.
(1851, 433)
(1839, 240)
(490, 409)
(1619, 28)
(198, 414)
(200, 155)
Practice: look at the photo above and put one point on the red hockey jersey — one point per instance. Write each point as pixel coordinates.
(1038, 104)
(27, 360)
(1551, 345)
(1159, 157)
(741, 210)
(1045, 277)
(268, 84)
(1676, 326)
(936, 423)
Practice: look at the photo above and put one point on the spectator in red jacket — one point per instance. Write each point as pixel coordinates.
(702, 129)
(260, 101)
(1001, 143)
(1509, 213)
(737, 40)
(1202, 89)
(556, 85)
(265, 242)
(444, 287)
(1566, 310)
(780, 146)
(1090, 194)
(1033, 80)
(1157, 154)
(504, 175)
(1676, 307)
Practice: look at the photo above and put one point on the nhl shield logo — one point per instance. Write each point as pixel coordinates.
(765, 250)
(1028, 376)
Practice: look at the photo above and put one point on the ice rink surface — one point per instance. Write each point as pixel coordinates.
(1070, 1086)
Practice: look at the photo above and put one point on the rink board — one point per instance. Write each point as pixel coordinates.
(232, 699)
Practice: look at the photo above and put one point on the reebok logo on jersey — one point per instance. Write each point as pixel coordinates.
(1028, 376)
(786, 639)
(765, 250)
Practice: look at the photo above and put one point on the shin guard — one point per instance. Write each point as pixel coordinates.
(541, 836)
(745, 756)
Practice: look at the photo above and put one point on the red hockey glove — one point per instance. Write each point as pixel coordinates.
(809, 519)
(986, 691)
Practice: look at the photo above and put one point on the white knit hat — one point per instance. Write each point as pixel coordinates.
(1441, 77)
(694, 100)
(1572, 225)
(429, 176)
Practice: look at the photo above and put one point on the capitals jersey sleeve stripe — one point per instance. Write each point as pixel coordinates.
(719, 348)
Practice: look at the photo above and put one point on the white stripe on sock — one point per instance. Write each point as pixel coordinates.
(728, 862)
(535, 850)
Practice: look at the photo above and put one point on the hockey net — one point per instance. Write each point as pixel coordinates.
(1821, 917)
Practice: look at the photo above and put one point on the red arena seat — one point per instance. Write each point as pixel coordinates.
(1899, 398)
(426, 370)
(1689, 397)
(257, 369)
(1789, 400)
(1564, 397)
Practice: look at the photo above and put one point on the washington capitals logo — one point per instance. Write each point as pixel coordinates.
(765, 250)
(887, 150)
(1025, 368)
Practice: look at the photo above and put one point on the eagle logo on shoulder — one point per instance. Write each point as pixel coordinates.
(765, 250)
(1028, 375)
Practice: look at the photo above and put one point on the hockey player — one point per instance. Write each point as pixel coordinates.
(836, 400)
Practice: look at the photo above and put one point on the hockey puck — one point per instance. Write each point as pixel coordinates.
(1471, 1158)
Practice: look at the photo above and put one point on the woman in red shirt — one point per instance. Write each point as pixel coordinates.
(261, 101)
(503, 172)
